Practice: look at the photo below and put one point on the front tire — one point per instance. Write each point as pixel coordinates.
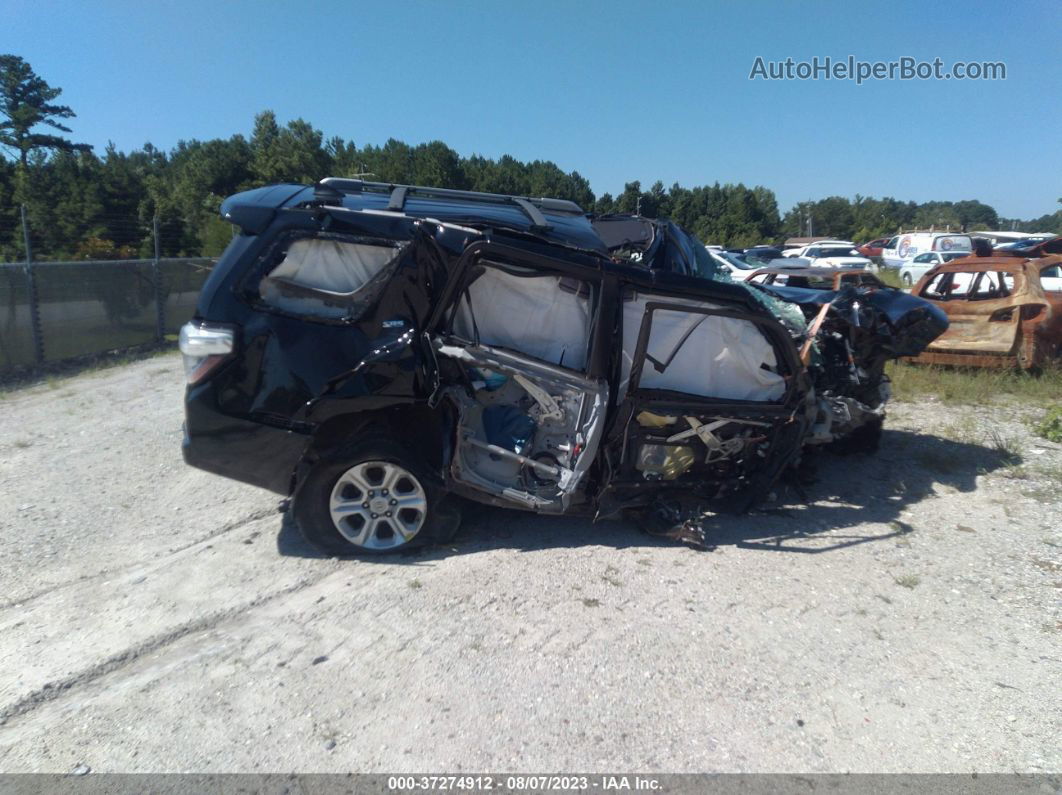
(908, 281)
(374, 497)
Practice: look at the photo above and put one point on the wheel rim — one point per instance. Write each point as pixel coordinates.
(378, 505)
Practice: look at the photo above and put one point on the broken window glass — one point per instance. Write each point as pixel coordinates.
(328, 277)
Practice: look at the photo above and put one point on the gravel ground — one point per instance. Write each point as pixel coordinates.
(157, 618)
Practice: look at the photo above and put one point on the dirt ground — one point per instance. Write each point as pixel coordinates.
(157, 618)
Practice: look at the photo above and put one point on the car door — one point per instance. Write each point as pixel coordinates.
(706, 399)
(516, 338)
(920, 264)
(983, 309)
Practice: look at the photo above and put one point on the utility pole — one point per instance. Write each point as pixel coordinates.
(31, 283)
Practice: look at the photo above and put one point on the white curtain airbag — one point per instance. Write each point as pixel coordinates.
(333, 265)
(532, 315)
(722, 357)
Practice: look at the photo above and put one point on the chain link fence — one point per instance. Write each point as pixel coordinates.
(76, 289)
(54, 311)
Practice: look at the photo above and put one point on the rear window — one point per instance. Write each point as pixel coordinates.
(956, 243)
(327, 277)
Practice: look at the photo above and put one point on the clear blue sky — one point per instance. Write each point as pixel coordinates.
(616, 90)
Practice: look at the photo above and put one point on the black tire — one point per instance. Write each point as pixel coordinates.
(312, 506)
(907, 280)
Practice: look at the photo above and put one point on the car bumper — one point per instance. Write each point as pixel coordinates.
(250, 452)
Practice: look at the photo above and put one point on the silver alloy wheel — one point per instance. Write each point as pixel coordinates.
(378, 505)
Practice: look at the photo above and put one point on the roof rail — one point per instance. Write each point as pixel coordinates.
(329, 187)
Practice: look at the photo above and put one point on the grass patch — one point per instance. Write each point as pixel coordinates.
(909, 581)
(1007, 447)
(1050, 427)
(891, 277)
(54, 374)
(965, 386)
(415, 584)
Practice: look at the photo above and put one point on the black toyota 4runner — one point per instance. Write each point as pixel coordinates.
(374, 351)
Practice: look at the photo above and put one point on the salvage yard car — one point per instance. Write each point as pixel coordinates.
(375, 352)
(1004, 311)
(816, 278)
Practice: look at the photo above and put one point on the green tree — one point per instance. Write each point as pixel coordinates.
(294, 153)
(25, 103)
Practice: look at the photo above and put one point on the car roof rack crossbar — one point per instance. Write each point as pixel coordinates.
(398, 198)
(532, 208)
(532, 212)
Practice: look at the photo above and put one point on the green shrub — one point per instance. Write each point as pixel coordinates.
(1050, 427)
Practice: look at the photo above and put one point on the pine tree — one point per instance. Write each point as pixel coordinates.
(25, 102)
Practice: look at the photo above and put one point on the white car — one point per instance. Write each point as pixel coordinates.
(795, 252)
(832, 255)
(904, 248)
(732, 263)
(916, 268)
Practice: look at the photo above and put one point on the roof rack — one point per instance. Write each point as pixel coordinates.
(333, 188)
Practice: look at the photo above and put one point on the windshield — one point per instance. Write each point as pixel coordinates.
(736, 260)
(763, 256)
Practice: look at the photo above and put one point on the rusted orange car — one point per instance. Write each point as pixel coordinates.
(816, 278)
(1004, 311)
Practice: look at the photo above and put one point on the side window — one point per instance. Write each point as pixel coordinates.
(935, 288)
(328, 277)
(813, 252)
(761, 278)
(945, 286)
(891, 243)
(921, 258)
(960, 284)
(1051, 279)
(988, 285)
(697, 353)
(543, 316)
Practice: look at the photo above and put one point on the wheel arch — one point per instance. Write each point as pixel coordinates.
(423, 430)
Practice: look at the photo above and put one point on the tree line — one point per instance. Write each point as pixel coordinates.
(85, 205)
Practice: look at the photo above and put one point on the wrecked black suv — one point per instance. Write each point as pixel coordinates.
(376, 352)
